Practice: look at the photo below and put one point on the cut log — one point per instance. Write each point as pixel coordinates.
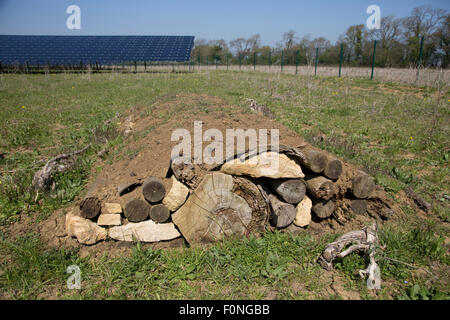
(283, 214)
(320, 188)
(291, 190)
(359, 206)
(362, 185)
(215, 210)
(333, 169)
(159, 213)
(90, 207)
(153, 189)
(310, 157)
(136, 210)
(267, 164)
(323, 209)
(303, 215)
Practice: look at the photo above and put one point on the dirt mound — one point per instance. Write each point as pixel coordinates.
(148, 150)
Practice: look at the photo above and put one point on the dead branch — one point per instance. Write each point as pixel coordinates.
(43, 179)
(364, 240)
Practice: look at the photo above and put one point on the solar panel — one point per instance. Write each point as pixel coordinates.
(70, 50)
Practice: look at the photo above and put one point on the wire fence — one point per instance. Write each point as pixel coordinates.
(416, 75)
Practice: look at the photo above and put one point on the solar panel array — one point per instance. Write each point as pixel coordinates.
(70, 50)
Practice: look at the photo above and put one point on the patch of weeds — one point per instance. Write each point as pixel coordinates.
(28, 270)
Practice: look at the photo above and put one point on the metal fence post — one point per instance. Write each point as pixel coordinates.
(420, 59)
(207, 63)
(282, 60)
(341, 56)
(216, 64)
(240, 62)
(254, 61)
(296, 61)
(227, 62)
(316, 61)
(270, 59)
(373, 58)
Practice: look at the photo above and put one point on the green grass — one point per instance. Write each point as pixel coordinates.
(399, 134)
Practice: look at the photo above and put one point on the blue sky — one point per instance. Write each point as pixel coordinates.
(227, 19)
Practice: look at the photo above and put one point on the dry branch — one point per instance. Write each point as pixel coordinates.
(43, 179)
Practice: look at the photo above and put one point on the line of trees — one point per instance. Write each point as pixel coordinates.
(398, 44)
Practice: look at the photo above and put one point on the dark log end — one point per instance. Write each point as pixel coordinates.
(159, 213)
(90, 207)
(153, 189)
(333, 169)
(136, 210)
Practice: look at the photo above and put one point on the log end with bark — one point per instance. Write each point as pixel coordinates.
(90, 207)
(136, 210)
(290, 190)
(320, 188)
(362, 185)
(153, 189)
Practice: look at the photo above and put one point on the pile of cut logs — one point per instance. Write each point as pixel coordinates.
(240, 196)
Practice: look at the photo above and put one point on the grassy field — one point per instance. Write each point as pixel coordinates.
(397, 133)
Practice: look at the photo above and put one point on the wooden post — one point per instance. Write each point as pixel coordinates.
(254, 61)
(135, 67)
(296, 61)
(282, 60)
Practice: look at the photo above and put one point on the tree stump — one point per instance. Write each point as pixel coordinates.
(136, 210)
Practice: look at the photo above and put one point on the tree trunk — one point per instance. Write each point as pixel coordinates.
(153, 189)
(320, 188)
(136, 210)
(221, 206)
(323, 209)
(90, 207)
(333, 169)
(159, 213)
(283, 214)
(362, 185)
(291, 190)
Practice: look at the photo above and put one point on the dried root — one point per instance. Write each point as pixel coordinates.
(364, 240)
